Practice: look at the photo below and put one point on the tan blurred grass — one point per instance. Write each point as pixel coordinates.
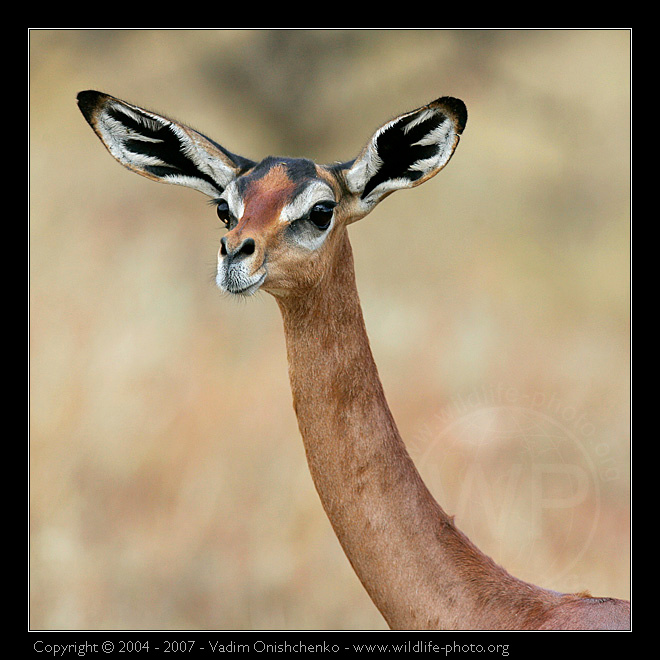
(168, 483)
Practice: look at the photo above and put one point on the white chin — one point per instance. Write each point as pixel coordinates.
(239, 286)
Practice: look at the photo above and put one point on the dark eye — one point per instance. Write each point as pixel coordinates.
(223, 211)
(321, 214)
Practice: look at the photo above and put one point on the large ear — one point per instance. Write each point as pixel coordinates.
(159, 148)
(407, 151)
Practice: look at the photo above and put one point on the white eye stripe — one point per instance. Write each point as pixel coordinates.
(315, 192)
(234, 200)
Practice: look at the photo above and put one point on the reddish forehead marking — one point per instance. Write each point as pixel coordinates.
(264, 198)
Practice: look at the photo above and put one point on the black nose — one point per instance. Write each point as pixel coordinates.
(244, 249)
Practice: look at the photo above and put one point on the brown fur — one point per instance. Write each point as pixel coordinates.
(418, 568)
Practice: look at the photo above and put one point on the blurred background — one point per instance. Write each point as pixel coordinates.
(168, 483)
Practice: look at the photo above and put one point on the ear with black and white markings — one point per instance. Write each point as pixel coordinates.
(159, 148)
(407, 151)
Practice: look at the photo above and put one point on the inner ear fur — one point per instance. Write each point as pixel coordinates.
(407, 150)
(159, 148)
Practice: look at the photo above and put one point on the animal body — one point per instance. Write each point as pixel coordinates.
(287, 234)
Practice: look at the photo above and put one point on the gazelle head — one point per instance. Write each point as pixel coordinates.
(283, 215)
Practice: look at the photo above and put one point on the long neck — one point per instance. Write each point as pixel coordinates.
(419, 570)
